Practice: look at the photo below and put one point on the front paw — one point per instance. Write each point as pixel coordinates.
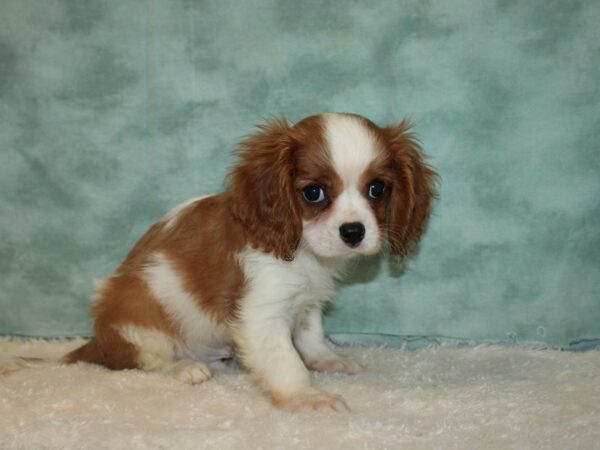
(348, 366)
(311, 400)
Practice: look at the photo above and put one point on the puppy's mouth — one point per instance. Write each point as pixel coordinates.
(365, 250)
(342, 250)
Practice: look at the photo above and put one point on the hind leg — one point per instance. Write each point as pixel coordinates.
(155, 352)
(188, 371)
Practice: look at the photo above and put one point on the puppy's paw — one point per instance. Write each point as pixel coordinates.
(190, 372)
(348, 366)
(311, 400)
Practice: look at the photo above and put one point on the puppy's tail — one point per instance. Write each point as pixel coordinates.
(89, 352)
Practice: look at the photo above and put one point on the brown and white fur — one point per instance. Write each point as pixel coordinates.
(245, 273)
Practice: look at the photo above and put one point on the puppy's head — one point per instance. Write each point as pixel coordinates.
(336, 183)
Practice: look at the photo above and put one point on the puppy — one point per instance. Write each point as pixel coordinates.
(245, 273)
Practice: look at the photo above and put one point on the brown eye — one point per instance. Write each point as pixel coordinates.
(376, 189)
(314, 193)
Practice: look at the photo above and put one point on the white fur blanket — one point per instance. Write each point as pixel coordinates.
(468, 398)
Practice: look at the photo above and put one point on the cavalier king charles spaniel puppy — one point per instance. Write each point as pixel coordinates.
(245, 273)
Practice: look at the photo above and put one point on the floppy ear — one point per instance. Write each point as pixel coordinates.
(413, 189)
(262, 190)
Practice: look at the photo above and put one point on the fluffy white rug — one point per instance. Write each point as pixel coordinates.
(468, 398)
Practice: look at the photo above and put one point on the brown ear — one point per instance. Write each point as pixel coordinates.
(262, 188)
(413, 189)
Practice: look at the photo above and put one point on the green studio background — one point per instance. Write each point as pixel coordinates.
(112, 112)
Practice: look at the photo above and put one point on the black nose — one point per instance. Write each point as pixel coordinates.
(352, 233)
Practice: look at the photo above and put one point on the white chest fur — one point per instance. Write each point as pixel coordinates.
(286, 288)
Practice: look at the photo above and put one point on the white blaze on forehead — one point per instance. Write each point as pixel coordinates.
(351, 146)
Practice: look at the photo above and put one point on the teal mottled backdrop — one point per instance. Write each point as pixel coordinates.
(112, 112)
